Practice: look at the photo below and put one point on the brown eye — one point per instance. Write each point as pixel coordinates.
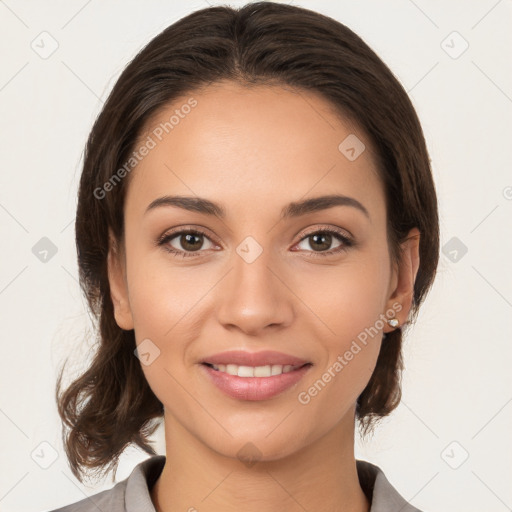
(185, 242)
(319, 243)
(190, 241)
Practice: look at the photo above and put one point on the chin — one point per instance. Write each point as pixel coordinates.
(258, 448)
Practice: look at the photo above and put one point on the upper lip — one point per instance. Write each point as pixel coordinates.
(263, 358)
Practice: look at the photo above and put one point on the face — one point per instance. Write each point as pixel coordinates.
(258, 273)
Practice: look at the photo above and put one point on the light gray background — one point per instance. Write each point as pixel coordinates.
(457, 389)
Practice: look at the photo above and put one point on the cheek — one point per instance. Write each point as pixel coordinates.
(350, 356)
(164, 298)
(166, 309)
(165, 304)
(349, 301)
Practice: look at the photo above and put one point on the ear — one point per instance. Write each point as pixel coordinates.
(401, 295)
(118, 284)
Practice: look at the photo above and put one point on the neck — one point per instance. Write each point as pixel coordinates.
(321, 476)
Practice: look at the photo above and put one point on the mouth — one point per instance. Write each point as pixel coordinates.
(262, 375)
(254, 382)
(255, 371)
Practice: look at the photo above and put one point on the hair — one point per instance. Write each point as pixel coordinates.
(111, 405)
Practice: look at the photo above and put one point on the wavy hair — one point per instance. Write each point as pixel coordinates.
(111, 405)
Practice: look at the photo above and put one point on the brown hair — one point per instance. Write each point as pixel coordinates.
(111, 405)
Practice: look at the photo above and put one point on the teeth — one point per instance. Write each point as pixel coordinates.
(254, 371)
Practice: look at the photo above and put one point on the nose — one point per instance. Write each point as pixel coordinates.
(255, 296)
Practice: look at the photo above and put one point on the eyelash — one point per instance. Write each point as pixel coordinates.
(345, 242)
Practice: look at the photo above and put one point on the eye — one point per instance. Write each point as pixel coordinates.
(185, 242)
(322, 239)
(189, 242)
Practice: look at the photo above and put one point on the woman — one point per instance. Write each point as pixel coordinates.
(256, 224)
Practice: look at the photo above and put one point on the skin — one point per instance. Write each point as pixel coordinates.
(254, 151)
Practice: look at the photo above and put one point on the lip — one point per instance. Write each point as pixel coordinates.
(263, 358)
(254, 388)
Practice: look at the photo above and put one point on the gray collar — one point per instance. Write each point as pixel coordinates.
(383, 496)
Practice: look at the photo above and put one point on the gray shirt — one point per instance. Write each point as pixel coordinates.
(132, 493)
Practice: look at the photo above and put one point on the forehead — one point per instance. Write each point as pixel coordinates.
(263, 143)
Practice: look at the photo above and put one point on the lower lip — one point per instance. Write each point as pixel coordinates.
(254, 388)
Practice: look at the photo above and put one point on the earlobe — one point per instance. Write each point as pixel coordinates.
(118, 287)
(401, 299)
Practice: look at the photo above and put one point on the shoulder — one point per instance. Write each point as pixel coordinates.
(111, 499)
(129, 495)
(382, 495)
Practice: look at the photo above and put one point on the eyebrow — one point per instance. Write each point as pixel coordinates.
(293, 209)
